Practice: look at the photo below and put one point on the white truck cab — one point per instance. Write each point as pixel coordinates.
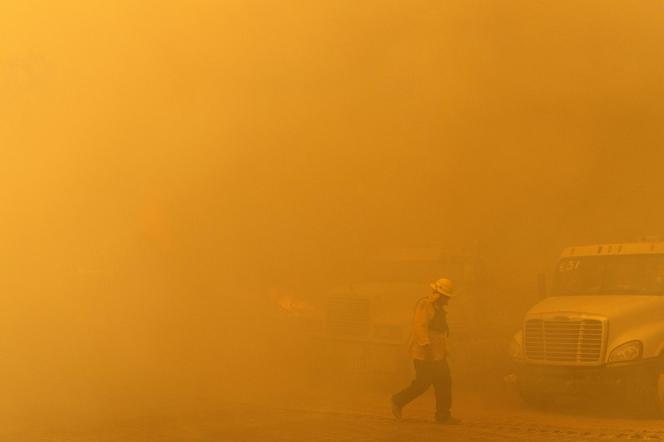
(601, 326)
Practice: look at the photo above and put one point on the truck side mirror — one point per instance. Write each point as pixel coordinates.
(541, 285)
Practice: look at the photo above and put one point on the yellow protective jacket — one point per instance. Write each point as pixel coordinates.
(426, 344)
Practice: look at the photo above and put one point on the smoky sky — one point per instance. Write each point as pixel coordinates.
(238, 139)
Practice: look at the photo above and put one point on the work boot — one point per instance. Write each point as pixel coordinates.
(448, 420)
(396, 409)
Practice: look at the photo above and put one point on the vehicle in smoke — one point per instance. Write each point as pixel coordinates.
(368, 322)
(602, 326)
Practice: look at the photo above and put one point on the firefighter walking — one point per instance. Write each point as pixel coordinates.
(428, 348)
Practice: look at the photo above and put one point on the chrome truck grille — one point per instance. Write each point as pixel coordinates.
(564, 340)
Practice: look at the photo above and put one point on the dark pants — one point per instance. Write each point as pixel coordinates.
(427, 373)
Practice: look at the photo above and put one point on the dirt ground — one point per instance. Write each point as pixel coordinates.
(333, 415)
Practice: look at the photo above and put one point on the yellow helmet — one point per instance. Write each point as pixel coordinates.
(443, 286)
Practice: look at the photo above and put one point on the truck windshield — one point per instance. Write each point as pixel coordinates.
(597, 275)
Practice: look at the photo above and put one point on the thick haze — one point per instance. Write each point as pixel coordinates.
(159, 158)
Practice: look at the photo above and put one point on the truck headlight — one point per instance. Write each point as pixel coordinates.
(628, 351)
(516, 347)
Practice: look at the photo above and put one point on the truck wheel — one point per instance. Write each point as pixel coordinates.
(658, 405)
(648, 392)
(535, 398)
(656, 397)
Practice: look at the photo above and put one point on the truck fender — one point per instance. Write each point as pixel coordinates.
(651, 335)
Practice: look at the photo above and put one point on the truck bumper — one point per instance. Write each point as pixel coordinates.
(569, 379)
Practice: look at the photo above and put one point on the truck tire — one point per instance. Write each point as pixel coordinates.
(657, 402)
(647, 392)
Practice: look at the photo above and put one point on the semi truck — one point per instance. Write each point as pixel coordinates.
(368, 321)
(600, 327)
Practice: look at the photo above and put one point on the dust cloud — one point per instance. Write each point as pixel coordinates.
(178, 177)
